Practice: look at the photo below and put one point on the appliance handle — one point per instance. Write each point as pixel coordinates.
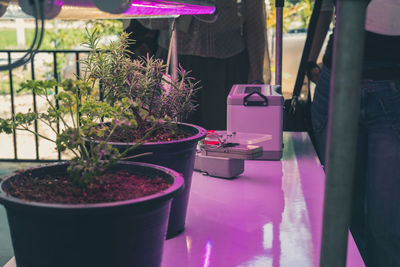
(262, 103)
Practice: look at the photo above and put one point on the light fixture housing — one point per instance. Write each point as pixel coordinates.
(51, 8)
(3, 6)
(113, 9)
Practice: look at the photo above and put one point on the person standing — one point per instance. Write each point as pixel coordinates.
(375, 221)
(145, 40)
(220, 50)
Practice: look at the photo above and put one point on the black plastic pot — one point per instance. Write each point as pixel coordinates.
(177, 155)
(118, 234)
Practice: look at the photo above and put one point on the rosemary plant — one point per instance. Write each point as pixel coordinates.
(143, 81)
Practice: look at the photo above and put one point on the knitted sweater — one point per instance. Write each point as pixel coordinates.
(237, 25)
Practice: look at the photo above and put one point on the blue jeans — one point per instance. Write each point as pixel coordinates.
(375, 221)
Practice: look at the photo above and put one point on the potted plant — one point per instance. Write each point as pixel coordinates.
(93, 209)
(154, 96)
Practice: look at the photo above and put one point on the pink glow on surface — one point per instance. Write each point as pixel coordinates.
(269, 216)
(59, 3)
(207, 254)
(162, 8)
(188, 243)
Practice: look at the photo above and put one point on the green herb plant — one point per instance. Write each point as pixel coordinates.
(144, 81)
(138, 95)
(80, 118)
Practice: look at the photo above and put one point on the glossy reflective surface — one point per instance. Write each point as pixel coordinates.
(271, 215)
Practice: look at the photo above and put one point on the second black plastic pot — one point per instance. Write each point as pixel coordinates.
(179, 156)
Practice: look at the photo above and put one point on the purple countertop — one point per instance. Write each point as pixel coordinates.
(271, 215)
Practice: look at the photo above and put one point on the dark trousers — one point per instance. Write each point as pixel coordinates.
(216, 78)
(375, 223)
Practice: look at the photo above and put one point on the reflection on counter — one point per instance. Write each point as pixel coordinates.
(269, 216)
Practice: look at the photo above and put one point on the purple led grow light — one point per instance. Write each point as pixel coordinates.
(162, 8)
(88, 9)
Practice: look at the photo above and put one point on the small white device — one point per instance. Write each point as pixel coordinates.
(234, 145)
(233, 151)
(218, 166)
(222, 154)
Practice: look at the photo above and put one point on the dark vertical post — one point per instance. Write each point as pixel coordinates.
(101, 91)
(342, 129)
(173, 51)
(101, 96)
(35, 108)
(279, 4)
(78, 76)
(301, 73)
(78, 67)
(55, 73)
(10, 77)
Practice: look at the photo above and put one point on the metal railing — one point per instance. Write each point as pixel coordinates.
(55, 75)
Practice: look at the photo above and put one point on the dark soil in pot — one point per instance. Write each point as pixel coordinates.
(114, 186)
(119, 233)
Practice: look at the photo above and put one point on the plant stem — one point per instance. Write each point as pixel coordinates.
(142, 140)
(24, 128)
